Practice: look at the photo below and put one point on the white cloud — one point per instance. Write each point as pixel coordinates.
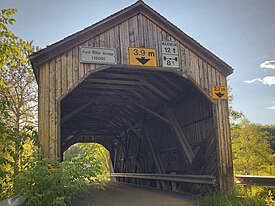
(272, 107)
(251, 81)
(269, 80)
(268, 64)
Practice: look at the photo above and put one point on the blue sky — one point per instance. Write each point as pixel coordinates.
(240, 32)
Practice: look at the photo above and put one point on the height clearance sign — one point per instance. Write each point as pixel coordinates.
(142, 56)
(219, 92)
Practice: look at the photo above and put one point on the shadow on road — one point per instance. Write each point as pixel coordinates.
(121, 194)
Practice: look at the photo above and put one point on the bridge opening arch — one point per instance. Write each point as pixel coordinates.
(151, 119)
(93, 156)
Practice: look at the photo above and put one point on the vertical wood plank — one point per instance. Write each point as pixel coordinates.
(64, 76)
(45, 82)
(58, 79)
(41, 112)
(140, 31)
(69, 69)
(124, 42)
(117, 44)
(75, 56)
(52, 109)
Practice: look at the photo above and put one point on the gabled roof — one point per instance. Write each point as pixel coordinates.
(139, 7)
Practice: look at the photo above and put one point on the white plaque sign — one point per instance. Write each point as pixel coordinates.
(169, 60)
(169, 47)
(170, 54)
(97, 55)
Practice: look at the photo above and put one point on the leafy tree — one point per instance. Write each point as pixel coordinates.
(251, 150)
(16, 93)
(10, 44)
(8, 167)
(20, 93)
(271, 130)
(233, 114)
(95, 155)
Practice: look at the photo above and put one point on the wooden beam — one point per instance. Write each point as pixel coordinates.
(107, 86)
(115, 155)
(153, 113)
(132, 128)
(161, 84)
(159, 166)
(104, 92)
(111, 81)
(177, 130)
(74, 112)
(156, 90)
(128, 76)
(167, 79)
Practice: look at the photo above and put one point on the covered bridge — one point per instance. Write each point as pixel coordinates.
(138, 85)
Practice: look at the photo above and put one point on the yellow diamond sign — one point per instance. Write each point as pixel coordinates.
(219, 92)
(142, 56)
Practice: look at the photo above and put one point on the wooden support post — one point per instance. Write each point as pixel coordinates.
(115, 156)
(176, 128)
(156, 157)
(126, 154)
(123, 147)
(131, 127)
(111, 169)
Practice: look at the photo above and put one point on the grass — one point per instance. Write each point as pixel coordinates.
(230, 199)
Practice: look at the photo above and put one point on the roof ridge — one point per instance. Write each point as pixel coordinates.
(139, 7)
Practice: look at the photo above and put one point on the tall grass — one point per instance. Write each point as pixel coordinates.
(222, 198)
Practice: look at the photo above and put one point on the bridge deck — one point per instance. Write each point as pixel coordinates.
(118, 194)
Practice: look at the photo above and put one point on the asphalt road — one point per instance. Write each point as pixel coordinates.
(119, 194)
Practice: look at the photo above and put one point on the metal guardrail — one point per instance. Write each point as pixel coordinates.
(251, 180)
(195, 179)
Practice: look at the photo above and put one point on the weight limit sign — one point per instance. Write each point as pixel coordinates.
(170, 54)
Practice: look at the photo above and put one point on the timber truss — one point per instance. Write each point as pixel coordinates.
(126, 108)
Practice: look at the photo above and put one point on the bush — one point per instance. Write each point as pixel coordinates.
(50, 183)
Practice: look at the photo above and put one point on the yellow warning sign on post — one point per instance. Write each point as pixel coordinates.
(142, 56)
(219, 92)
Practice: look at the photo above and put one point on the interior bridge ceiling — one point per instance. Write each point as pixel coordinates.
(113, 98)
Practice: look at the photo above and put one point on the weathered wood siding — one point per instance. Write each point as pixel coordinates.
(58, 75)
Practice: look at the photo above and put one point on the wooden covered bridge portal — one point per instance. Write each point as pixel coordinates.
(135, 83)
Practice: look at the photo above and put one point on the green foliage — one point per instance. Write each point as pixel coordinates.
(20, 92)
(14, 144)
(261, 193)
(93, 153)
(49, 183)
(251, 150)
(230, 199)
(233, 114)
(271, 130)
(10, 44)
(18, 140)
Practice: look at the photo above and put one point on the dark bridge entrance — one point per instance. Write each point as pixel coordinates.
(152, 120)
